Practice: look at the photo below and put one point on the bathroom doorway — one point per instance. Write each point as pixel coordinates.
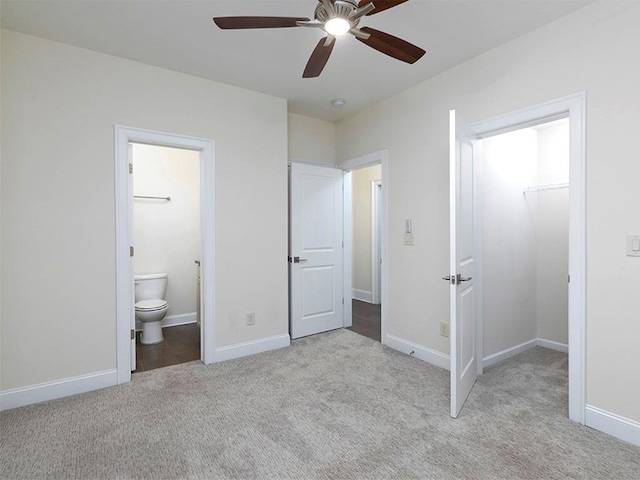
(125, 140)
(166, 239)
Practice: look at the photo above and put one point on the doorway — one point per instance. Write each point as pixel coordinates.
(573, 108)
(125, 297)
(525, 239)
(166, 239)
(366, 195)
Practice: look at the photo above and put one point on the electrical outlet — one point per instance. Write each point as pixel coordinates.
(251, 318)
(444, 329)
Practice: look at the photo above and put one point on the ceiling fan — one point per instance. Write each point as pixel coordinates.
(335, 17)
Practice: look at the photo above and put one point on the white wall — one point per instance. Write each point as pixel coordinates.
(509, 240)
(167, 233)
(525, 237)
(311, 140)
(362, 256)
(591, 50)
(552, 234)
(60, 105)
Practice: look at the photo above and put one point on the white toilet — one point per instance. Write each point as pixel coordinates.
(151, 307)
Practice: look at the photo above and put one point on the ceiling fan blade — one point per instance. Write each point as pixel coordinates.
(319, 58)
(381, 5)
(232, 23)
(393, 46)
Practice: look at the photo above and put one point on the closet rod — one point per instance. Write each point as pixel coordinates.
(540, 188)
(153, 198)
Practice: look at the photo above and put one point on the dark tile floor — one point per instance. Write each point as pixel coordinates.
(181, 344)
(366, 319)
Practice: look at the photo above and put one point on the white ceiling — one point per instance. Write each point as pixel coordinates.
(180, 35)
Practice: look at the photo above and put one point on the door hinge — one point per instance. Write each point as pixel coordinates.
(131, 251)
(343, 300)
(133, 334)
(568, 278)
(131, 168)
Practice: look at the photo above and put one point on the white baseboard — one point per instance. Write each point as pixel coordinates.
(560, 347)
(362, 295)
(422, 353)
(612, 424)
(250, 348)
(19, 397)
(173, 320)
(509, 352)
(523, 347)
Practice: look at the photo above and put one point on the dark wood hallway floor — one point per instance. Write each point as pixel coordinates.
(366, 319)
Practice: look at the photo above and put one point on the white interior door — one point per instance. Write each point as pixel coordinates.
(132, 270)
(464, 352)
(315, 249)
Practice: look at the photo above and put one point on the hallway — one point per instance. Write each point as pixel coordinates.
(366, 319)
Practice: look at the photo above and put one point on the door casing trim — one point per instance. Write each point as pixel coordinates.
(367, 160)
(124, 275)
(574, 108)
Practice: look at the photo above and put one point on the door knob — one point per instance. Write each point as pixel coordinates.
(456, 279)
(299, 260)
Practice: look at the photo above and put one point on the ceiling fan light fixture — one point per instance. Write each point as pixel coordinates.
(337, 26)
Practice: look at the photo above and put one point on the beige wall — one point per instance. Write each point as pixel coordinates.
(60, 105)
(166, 235)
(592, 50)
(311, 140)
(361, 203)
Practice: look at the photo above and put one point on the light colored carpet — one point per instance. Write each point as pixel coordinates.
(335, 405)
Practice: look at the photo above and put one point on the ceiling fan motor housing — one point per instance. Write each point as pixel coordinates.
(341, 8)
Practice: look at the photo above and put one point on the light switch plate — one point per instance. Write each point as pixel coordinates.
(408, 239)
(633, 245)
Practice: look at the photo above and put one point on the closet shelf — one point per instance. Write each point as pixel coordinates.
(168, 199)
(540, 188)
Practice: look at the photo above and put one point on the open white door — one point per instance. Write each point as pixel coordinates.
(316, 263)
(133, 295)
(463, 265)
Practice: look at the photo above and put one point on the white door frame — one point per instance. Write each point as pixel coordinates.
(573, 107)
(374, 158)
(124, 235)
(376, 232)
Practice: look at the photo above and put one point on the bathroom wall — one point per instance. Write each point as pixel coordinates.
(167, 233)
(361, 202)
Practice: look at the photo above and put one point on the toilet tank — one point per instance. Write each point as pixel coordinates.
(152, 286)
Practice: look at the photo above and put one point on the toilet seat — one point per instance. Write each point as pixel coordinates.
(151, 305)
